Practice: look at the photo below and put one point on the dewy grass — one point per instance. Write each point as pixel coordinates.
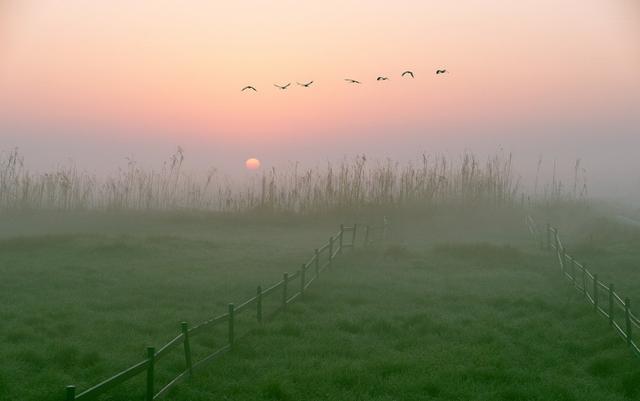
(485, 317)
(428, 327)
(351, 184)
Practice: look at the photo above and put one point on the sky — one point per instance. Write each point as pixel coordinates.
(95, 82)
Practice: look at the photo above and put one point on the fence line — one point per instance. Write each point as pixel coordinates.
(604, 298)
(331, 250)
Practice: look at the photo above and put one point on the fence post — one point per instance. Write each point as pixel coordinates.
(548, 236)
(317, 262)
(340, 239)
(330, 251)
(151, 357)
(71, 393)
(187, 346)
(595, 292)
(285, 279)
(573, 271)
(584, 279)
(366, 235)
(563, 259)
(353, 236)
(231, 324)
(627, 318)
(611, 305)
(302, 279)
(259, 304)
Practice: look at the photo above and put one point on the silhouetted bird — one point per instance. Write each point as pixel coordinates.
(381, 79)
(353, 81)
(282, 87)
(249, 87)
(305, 85)
(438, 72)
(408, 73)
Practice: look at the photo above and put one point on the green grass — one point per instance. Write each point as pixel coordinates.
(445, 311)
(435, 324)
(81, 301)
(612, 251)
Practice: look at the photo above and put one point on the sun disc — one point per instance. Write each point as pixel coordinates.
(252, 164)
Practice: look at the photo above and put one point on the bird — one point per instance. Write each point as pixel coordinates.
(408, 73)
(249, 87)
(305, 85)
(438, 72)
(381, 79)
(282, 87)
(353, 81)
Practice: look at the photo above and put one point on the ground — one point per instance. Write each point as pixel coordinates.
(444, 310)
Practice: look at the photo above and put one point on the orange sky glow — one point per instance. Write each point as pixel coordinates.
(170, 72)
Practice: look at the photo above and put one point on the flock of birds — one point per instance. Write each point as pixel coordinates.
(349, 80)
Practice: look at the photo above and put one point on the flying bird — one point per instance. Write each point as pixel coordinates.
(408, 73)
(438, 72)
(381, 79)
(282, 87)
(305, 85)
(353, 81)
(249, 87)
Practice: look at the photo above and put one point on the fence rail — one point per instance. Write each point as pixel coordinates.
(604, 299)
(321, 260)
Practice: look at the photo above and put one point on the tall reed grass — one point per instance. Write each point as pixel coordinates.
(350, 184)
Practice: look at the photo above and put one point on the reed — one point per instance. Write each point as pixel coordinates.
(350, 184)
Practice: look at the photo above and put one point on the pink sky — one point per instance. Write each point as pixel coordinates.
(96, 81)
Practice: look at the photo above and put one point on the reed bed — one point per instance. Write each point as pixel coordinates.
(350, 184)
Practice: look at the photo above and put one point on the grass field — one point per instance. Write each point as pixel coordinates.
(82, 295)
(459, 322)
(445, 311)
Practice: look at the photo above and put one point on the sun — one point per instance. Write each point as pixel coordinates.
(252, 164)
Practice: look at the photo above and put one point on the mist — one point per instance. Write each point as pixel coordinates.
(335, 200)
(127, 86)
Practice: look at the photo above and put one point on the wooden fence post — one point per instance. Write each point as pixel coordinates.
(573, 271)
(330, 251)
(595, 292)
(70, 393)
(353, 236)
(627, 318)
(548, 236)
(340, 239)
(302, 279)
(187, 346)
(317, 261)
(285, 279)
(151, 357)
(366, 235)
(563, 259)
(259, 304)
(584, 279)
(611, 305)
(231, 325)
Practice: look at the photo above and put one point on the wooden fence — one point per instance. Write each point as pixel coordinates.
(604, 299)
(321, 259)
